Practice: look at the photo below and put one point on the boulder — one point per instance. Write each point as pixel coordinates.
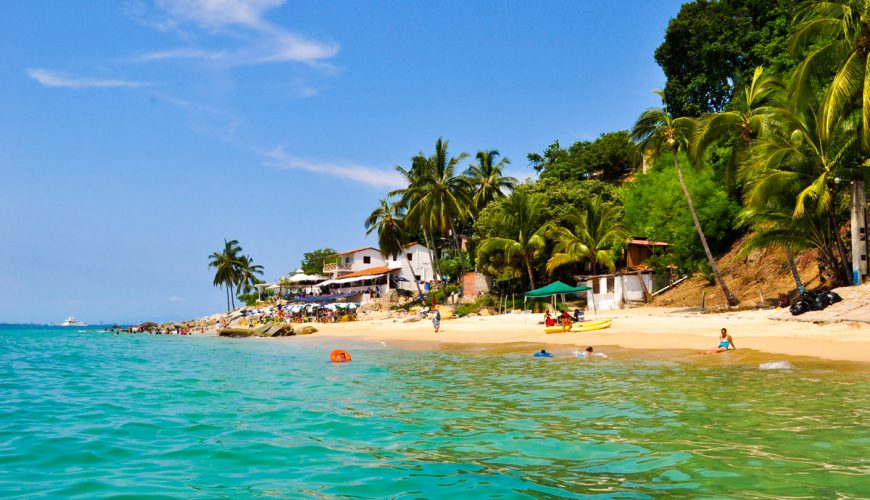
(281, 330)
(411, 319)
(237, 332)
(306, 330)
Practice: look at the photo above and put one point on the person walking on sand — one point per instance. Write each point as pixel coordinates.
(436, 318)
(726, 343)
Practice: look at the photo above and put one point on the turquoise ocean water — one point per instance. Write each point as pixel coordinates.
(86, 414)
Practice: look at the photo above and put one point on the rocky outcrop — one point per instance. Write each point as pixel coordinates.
(273, 330)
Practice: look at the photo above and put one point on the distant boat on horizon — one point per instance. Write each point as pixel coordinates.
(73, 321)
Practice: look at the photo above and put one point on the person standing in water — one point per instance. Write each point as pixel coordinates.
(436, 319)
(726, 343)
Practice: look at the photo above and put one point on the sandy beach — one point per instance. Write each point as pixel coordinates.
(647, 328)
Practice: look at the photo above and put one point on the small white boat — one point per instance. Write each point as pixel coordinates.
(73, 321)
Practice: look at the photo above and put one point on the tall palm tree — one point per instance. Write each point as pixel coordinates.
(836, 35)
(410, 196)
(247, 273)
(597, 231)
(740, 126)
(656, 130)
(388, 221)
(520, 214)
(441, 195)
(226, 265)
(487, 179)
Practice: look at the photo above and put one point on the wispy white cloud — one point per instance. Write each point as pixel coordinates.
(279, 158)
(244, 20)
(176, 298)
(182, 53)
(48, 78)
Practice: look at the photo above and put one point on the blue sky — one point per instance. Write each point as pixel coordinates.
(137, 135)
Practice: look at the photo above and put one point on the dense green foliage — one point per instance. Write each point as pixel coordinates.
(610, 156)
(312, 262)
(712, 47)
(655, 208)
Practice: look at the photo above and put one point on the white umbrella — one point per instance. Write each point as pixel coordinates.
(301, 277)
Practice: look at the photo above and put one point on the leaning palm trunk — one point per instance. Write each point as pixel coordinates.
(729, 297)
(793, 268)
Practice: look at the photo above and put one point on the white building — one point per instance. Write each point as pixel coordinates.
(366, 272)
(352, 261)
(613, 291)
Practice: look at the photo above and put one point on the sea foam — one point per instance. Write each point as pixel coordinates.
(776, 365)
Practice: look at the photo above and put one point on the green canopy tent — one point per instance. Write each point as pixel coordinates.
(557, 288)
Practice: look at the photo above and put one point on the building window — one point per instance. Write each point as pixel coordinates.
(409, 256)
(417, 277)
(395, 258)
(367, 260)
(347, 260)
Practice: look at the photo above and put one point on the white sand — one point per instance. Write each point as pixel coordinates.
(642, 328)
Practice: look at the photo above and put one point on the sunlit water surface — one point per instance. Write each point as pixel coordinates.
(85, 414)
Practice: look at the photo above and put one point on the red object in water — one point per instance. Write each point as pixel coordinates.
(339, 356)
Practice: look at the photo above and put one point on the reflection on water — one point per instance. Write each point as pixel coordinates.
(85, 414)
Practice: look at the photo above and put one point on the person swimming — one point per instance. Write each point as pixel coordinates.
(726, 343)
(543, 354)
(589, 353)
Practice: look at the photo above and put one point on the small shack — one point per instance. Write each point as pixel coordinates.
(631, 283)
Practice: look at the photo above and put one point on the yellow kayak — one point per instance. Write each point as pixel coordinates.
(582, 327)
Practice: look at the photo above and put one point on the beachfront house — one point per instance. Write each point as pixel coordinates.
(364, 274)
(631, 283)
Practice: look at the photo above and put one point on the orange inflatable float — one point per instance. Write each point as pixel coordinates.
(339, 356)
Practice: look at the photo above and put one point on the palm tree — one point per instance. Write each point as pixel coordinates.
(441, 195)
(776, 226)
(226, 265)
(520, 212)
(487, 180)
(597, 232)
(388, 222)
(410, 196)
(797, 166)
(247, 273)
(740, 126)
(836, 35)
(656, 130)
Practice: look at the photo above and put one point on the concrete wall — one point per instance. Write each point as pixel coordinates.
(612, 293)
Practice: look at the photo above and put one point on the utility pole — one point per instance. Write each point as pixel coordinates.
(859, 231)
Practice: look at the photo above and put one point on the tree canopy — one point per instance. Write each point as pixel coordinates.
(312, 262)
(713, 46)
(607, 157)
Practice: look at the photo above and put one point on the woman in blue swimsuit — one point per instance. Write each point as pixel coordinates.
(726, 343)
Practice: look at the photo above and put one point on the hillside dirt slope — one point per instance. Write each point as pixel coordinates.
(764, 271)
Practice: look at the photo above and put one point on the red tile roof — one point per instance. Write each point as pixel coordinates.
(355, 250)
